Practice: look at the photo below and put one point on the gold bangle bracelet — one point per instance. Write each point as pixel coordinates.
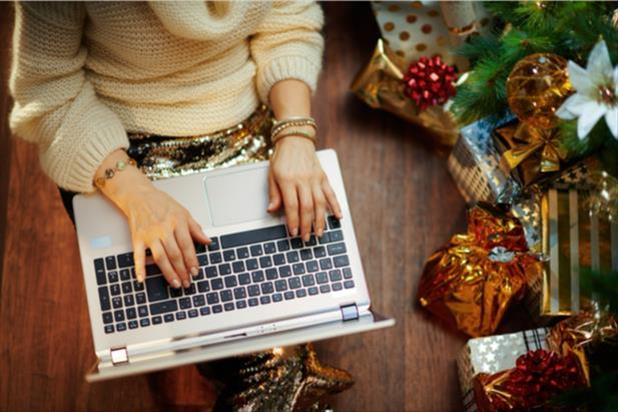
(279, 126)
(297, 133)
(111, 172)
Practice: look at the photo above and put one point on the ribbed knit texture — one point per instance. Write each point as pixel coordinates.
(85, 74)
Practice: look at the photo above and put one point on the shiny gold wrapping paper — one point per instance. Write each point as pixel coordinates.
(380, 85)
(472, 281)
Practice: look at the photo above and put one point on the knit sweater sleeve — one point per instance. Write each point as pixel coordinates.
(288, 45)
(55, 105)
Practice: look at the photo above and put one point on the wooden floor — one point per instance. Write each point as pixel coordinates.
(404, 206)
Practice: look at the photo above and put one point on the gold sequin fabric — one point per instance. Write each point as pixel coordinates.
(161, 157)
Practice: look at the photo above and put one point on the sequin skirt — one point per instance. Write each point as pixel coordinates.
(160, 157)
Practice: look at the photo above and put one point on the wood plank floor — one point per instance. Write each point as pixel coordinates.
(404, 206)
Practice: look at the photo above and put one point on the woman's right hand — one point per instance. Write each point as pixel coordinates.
(157, 222)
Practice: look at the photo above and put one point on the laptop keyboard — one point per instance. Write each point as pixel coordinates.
(237, 271)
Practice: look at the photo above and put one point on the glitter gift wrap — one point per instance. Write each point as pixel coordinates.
(579, 230)
(381, 84)
(472, 281)
(493, 354)
(474, 164)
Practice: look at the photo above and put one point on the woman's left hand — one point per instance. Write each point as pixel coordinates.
(297, 181)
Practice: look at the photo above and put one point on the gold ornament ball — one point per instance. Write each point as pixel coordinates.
(536, 87)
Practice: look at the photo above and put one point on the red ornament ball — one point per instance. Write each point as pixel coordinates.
(430, 82)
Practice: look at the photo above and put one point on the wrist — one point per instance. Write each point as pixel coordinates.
(298, 142)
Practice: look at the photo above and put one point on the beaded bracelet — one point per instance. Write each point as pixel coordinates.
(109, 173)
(280, 125)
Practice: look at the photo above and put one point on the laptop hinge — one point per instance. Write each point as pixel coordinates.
(119, 355)
(349, 312)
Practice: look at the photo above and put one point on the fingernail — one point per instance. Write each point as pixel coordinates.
(176, 283)
(320, 232)
(294, 231)
(194, 271)
(186, 284)
(270, 205)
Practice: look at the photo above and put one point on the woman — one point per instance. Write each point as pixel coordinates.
(85, 75)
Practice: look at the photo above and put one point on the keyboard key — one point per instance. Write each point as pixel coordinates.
(271, 274)
(306, 254)
(99, 270)
(244, 279)
(144, 322)
(279, 259)
(157, 320)
(121, 327)
(253, 236)
(336, 236)
(138, 286)
(225, 269)
(240, 293)
(131, 313)
(348, 284)
(312, 266)
(226, 295)
(347, 273)
(229, 255)
(241, 304)
(112, 276)
(198, 301)
(215, 258)
(152, 270)
(326, 264)
(114, 289)
(214, 243)
(288, 295)
(251, 264)
(156, 288)
(205, 311)
(185, 303)
(181, 315)
(125, 274)
(211, 272)
(163, 307)
(110, 262)
(267, 288)
(336, 248)
(319, 251)
(107, 317)
(333, 222)
(298, 268)
(256, 250)
(119, 315)
(128, 300)
(191, 290)
(292, 256)
(216, 284)
(212, 298)
(337, 286)
(217, 309)
(296, 243)
(140, 298)
(253, 302)
(257, 276)
(266, 262)
(285, 271)
(270, 248)
(301, 293)
(168, 318)
(104, 298)
(228, 306)
(265, 300)
(202, 259)
(281, 285)
(253, 290)
(325, 289)
(324, 239)
(321, 277)
(193, 313)
(203, 286)
(313, 290)
(127, 287)
(334, 275)
(99, 264)
(230, 281)
(199, 247)
(308, 280)
(238, 266)
(242, 252)
(283, 245)
(277, 297)
(142, 311)
(133, 324)
(116, 302)
(294, 283)
(125, 260)
(200, 274)
(312, 241)
(175, 293)
(341, 260)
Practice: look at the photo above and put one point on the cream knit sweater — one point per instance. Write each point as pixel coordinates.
(85, 74)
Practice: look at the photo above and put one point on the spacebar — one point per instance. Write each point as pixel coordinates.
(253, 236)
(163, 307)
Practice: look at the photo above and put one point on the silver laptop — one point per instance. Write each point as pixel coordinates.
(257, 287)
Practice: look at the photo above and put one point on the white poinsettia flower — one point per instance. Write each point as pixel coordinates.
(596, 93)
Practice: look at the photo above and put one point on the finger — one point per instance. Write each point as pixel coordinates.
(331, 198)
(139, 258)
(274, 194)
(319, 201)
(290, 201)
(183, 238)
(160, 258)
(197, 232)
(306, 211)
(175, 257)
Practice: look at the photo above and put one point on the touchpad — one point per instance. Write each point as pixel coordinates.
(237, 197)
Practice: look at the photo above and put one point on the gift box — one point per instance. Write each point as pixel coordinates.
(474, 164)
(493, 354)
(579, 230)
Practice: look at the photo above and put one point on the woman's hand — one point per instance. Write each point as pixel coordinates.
(297, 181)
(157, 222)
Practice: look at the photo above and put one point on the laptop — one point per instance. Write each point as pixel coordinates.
(257, 287)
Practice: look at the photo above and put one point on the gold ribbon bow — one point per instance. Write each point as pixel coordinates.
(527, 140)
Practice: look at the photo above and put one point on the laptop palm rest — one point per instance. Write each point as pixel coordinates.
(371, 321)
